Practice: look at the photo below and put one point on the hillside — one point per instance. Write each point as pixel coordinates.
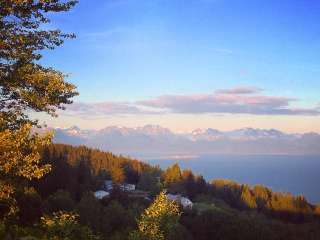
(221, 209)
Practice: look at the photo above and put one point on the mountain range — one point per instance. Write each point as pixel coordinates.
(153, 141)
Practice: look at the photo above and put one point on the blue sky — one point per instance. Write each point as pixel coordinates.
(130, 52)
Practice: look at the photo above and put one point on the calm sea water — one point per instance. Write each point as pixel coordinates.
(295, 174)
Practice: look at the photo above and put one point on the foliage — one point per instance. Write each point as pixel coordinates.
(172, 175)
(159, 220)
(117, 175)
(60, 200)
(221, 209)
(150, 181)
(216, 223)
(82, 169)
(30, 206)
(110, 219)
(281, 205)
(58, 226)
(90, 211)
(26, 86)
(116, 219)
(65, 226)
(247, 197)
(19, 161)
(24, 83)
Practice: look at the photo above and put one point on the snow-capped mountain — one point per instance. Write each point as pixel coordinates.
(252, 134)
(154, 130)
(154, 140)
(238, 134)
(208, 134)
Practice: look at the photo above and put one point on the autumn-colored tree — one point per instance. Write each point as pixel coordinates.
(24, 83)
(159, 221)
(172, 175)
(262, 195)
(65, 225)
(26, 86)
(247, 197)
(317, 210)
(117, 175)
(19, 161)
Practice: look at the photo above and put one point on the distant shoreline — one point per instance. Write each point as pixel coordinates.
(194, 156)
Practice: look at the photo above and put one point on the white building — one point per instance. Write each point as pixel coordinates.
(127, 187)
(185, 202)
(108, 186)
(101, 194)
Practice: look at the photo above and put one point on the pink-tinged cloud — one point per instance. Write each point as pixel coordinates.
(240, 100)
(102, 108)
(233, 101)
(240, 90)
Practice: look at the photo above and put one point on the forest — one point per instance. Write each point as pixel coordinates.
(222, 209)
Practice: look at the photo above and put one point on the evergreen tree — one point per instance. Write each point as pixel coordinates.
(59, 201)
(150, 181)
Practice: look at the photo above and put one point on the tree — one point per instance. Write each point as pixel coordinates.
(24, 83)
(58, 226)
(262, 195)
(30, 207)
(317, 210)
(247, 197)
(65, 226)
(117, 175)
(159, 221)
(115, 219)
(19, 161)
(172, 175)
(26, 86)
(150, 181)
(201, 184)
(90, 211)
(189, 184)
(59, 201)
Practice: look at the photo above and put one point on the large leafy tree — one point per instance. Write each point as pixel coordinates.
(159, 221)
(24, 83)
(19, 161)
(27, 86)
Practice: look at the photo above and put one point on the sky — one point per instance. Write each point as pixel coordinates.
(223, 64)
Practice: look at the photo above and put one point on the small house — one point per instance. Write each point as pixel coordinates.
(101, 194)
(184, 201)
